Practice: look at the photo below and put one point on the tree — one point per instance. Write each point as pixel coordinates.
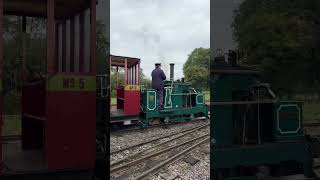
(144, 81)
(196, 68)
(282, 39)
(117, 78)
(102, 48)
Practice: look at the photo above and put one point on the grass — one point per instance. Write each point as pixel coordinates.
(206, 96)
(11, 107)
(311, 111)
(113, 101)
(12, 125)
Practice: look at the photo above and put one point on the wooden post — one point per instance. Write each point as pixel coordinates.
(1, 85)
(81, 42)
(139, 73)
(64, 46)
(72, 38)
(24, 48)
(51, 39)
(125, 72)
(117, 73)
(93, 61)
(57, 47)
(135, 74)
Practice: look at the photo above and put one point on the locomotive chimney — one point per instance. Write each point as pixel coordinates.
(171, 71)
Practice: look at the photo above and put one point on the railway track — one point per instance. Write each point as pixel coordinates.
(316, 158)
(11, 138)
(138, 128)
(134, 166)
(311, 124)
(159, 138)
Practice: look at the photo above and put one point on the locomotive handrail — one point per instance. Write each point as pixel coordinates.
(39, 81)
(34, 117)
(243, 102)
(179, 94)
(234, 71)
(102, 87)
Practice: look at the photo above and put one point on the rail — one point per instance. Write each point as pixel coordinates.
(164, 142)
(130, 162)
(153, 140)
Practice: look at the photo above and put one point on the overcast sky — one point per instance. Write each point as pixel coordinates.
(222, 16)
(163, 31)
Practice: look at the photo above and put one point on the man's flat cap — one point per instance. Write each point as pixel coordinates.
(157, 64)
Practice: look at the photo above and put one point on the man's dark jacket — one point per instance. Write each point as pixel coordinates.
(157, 78)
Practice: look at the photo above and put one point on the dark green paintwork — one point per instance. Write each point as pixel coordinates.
(174, 103)
(227, 87)
(290, 124)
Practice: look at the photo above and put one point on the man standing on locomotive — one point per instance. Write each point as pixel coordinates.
(158, 77)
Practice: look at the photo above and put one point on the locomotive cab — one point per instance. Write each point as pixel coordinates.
(181, 103)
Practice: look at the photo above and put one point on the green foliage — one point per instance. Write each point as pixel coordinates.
(311, 111)
(281, 38)
(144, 81)
(12, 125)
(117, 78)
(196, 68)
(35, 51)
(102, 48)
(36, 55)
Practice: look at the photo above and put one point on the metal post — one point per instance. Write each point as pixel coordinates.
(50, 33)
(171, 71)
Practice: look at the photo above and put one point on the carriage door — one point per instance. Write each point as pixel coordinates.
(71, 90)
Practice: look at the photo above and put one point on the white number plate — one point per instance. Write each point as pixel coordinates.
(127, 122)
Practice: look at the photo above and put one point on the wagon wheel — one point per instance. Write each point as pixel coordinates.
(218, 175)
(154, 121)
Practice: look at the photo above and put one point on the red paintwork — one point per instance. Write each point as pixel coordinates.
(1, 62)
(120, 97)
(32, 130)
(132, 102)
(125, 71)
(139, 72)
(128, 100)
(70, 132)
(66, 129)
(35, 93)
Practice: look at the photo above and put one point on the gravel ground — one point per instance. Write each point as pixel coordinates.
(183, 170)
(124, 139)
(178, 170)
(312, 130)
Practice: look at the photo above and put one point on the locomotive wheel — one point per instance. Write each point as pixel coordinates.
(154, 121)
